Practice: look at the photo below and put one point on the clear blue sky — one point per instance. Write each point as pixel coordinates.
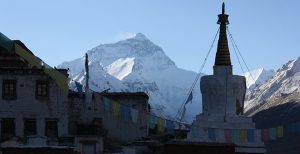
(266, 31)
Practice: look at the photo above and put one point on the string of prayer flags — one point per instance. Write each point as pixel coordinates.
(125, 112)
(212, 134)
(116, 108)
(161, 124)
(279, 131)
(60, 78)
(134, 115)
(250, 135)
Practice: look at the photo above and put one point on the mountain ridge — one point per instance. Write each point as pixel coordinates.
(137, 64)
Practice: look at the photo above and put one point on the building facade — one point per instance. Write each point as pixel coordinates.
(31, 102)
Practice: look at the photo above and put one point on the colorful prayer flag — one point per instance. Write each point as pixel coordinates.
(30, 58)
(265, 134)
(250, 135)
(134, 115)
(227, 135)
(194, 131)
(169, 126)
(161, 124)
(235, 135)
(125, 112)
(243, 135)
(107, 104)
(212, 134)
(78, 86)
(116, 108)
(190, 98)
(272, 133)
(98, 100)
(279, 131)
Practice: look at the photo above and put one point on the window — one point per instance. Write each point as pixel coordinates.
(51, 128)
(29, 127)
(41, 89)
(7, 128)
(9, 89)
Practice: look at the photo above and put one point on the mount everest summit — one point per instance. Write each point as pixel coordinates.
(138, 65)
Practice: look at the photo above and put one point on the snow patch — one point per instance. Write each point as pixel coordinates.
(121, 67)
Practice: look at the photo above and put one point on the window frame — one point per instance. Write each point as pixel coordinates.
(39, 95)
(11, 95)
(26, 129)
(6, 135)
(47, 126)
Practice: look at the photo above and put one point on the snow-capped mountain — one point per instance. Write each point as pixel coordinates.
(137, 64)
(279, 89)
(257, 77)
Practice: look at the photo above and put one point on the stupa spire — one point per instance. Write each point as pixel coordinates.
(223, 55)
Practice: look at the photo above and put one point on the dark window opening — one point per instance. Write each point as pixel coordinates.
(30, 127)
(51, 128)
(7, 128)
(41, 89)
(9, 89)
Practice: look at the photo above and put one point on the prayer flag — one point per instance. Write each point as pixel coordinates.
(243, 135)
(212, 134)
(194, 131)
(227, 135)
(107, 104)
(60, 78)
(170, 126)
(235, 135)
(250, 135)
(33, 60)
(78, 86)
(98, 100)
(125, 112)
(279, 131)
(265, 134)
(116, 108)
(190, 98)
(161, 124)
(134, 114)
(272, 133)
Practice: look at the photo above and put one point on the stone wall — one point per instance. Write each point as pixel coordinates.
(26, 105)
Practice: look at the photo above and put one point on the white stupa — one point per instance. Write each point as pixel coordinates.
(223, 97)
